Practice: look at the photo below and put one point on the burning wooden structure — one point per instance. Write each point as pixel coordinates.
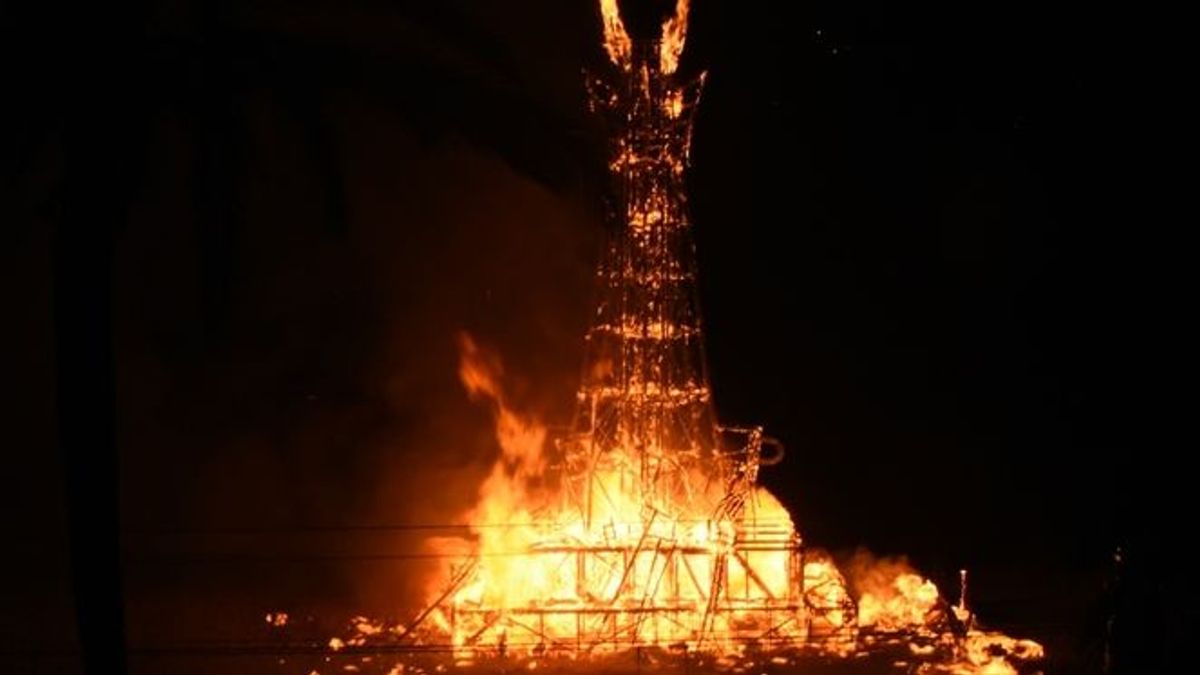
(644, 525)
(648, 526)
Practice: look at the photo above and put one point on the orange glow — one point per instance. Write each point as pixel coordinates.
(537, 557)
(642, 523)
(616, 40)
(909, 600)
(541, 571)
(581, 573)
(674, 34)
(985, 654)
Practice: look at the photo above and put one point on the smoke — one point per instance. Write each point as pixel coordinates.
(292, 424)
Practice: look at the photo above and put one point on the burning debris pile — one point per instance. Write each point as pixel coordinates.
(644, 526)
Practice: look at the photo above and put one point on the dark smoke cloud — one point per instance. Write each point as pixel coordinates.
(315, 214)
(321, 392)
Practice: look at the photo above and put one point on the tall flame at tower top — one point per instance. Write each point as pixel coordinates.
(674, 35)
(619, 45)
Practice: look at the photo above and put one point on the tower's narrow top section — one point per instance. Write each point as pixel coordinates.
(619, 45)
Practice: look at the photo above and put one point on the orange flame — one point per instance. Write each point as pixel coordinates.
(527, 544)
(907, 601)
(584, 547)
(616, 40)
(674, 34)
(520, 440)
(532, 553)
(892, 596)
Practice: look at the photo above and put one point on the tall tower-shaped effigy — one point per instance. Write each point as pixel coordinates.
(648, 527)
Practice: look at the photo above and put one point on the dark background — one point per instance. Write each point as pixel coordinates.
(244, 235)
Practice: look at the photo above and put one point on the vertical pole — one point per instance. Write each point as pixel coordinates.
(962, 591)
(580, 575)
(803, 600)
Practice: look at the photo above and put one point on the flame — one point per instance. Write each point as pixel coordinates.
(533, 549)
(620, 47)
(502, 520)
(643, 525)
(891, 595)
(674, 34)
(520, 439)
(569, 578)
(616, 40)
(907, 601)
(987, 653)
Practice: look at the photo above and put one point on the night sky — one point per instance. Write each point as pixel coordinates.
(243, 237)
